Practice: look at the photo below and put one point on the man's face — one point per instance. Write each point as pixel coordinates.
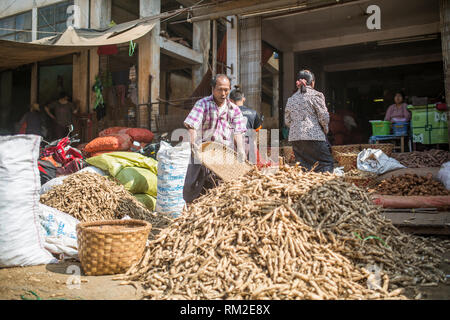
(221, 91)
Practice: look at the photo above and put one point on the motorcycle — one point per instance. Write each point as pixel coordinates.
(60, 155)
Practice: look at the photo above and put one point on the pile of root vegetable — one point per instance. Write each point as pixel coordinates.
(89, 196)
(289, 235)
(411, 185)
(418, 159)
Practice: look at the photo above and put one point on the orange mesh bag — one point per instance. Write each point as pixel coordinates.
(111, 130)
(114, 142)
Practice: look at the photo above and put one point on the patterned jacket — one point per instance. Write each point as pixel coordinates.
(307, 116)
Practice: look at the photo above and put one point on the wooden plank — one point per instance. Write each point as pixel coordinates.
(214, 48)
(372, 36)
(201, 43)
(413, 219)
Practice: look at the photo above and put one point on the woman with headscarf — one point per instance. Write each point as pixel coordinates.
(307, 117)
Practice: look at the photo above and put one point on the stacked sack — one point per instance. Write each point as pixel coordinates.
(117, 139)
(137, 173)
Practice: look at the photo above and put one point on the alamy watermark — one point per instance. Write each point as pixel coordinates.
(374, 20)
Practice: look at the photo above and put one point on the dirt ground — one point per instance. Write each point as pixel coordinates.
(57, 281)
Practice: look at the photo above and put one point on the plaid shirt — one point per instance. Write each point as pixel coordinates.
(214, 125)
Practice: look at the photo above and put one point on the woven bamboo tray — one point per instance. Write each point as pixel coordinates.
(385, 147)
(111, 246)
(347, 160)
(348, 148)
(223, 161)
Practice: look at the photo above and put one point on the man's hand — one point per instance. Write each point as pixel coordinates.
(195, 148)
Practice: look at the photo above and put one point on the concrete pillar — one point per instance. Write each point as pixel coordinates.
(202, 43)
(100, 17)
(250, 61)
(445, 36)
(82, 16)
(233, 49)
(34, 23)
(149, 65)
(80, 69)
(34, 83)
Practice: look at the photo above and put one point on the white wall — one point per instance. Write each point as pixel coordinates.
(13, 7)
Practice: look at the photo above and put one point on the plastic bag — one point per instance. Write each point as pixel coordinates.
(59, 231)
(339, 171)
(172, 168)
(138, 180)
(444, 175)
(376, 161)
(93, 170)
(113, 162)
(51, 184)
(147, 200)
(21, 237)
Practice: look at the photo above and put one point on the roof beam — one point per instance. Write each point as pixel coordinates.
(372, 36)
(178, 51)
(383, 62)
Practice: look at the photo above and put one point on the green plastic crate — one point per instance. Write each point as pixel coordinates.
(429, 126)
(380, 128)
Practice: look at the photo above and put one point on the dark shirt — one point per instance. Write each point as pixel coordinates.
(62, 112)
(253, 119)
(34, 121)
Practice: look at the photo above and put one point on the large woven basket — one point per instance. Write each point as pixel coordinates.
(347, 160)
(111, 246)
(347, 148)
(385, 147)
(223, 161)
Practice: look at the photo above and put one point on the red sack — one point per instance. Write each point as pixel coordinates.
(139, 134)
(112, 130)
(115, 142)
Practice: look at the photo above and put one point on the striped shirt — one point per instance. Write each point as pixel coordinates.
(214, 124)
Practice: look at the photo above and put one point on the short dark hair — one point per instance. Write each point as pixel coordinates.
(218, 76)
(400, 92)
(62, 95)
(236, 94)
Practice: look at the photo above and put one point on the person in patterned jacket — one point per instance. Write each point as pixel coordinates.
(307, 117)
(213, 118)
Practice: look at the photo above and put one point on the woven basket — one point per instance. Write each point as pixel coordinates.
(385, 147)
(348, 161)
(111, 246)
(348, 148)
(223, 161)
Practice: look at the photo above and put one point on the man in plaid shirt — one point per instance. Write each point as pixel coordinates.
(213, 118)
